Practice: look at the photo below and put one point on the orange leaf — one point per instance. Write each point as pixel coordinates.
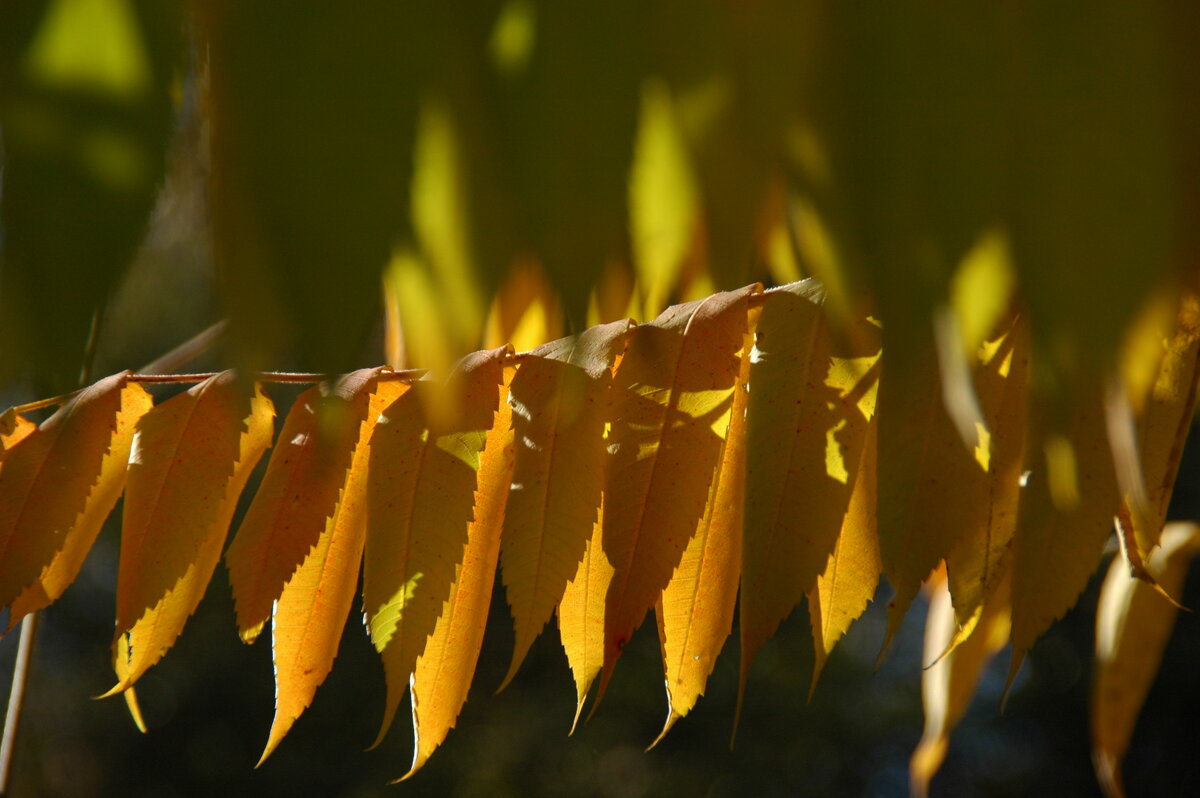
(190, 461)
(308, 618)
(297, 497)
(420, 493)
(443, 673)
(560, 396)
(695, 612)
(49, 480)
(64, 568)
(811, 398)
(13, 429)
(673, 397)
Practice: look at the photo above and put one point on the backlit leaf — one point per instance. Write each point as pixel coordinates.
(298, 495)
(581, 614)
(1133, 624)
(981, 557)
(851, 575)
(62, 570)
(443, 674)
(695, 612)
(560, 398)
(420, 493)
(49, 480)
(948, 682)
(811, 398)
(673, 394)
(190, 461)
(308, 617)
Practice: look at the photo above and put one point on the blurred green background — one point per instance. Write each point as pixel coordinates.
(298, 169)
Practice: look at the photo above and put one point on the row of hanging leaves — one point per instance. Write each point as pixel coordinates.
(730, 447)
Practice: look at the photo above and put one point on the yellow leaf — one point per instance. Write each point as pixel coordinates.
(977, 563)
(673, 394)
(811, 398)
(420, 492)
(64, 568)
(443, 673)
(933, 488)
(190, 461)
(1066, 514)
(581, 614)
(525, 311)
(695, 612)
(1133, 624)
(851, 574)
(559, 396)
(1162, 429)
(948, 684)
(49, 480)
(297, 497)
(308, 618)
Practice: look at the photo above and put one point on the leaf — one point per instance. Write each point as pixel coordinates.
(64, 568)
(443, 674)
(695, 612)
(948, 683)
(933, 489)
(1066, 514)
(191, 458)
(52, 484)
(1162, 430)
(811, 400)
(560, 406)
(851, 574)
(980, 559)
(581, 615)
(1133, 624)
(308, 618)
(673, 394)
(298, 495)
(311, 168)
(420, 492)
(13, 429)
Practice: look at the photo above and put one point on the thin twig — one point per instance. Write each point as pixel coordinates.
(16, 697)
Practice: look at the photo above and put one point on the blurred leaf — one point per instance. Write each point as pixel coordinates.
(314, 111)
(86, 114)
(1133, 624)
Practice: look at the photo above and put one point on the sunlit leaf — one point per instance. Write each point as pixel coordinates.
(695, 612)
(308, 617)
(298, 495)
(673, 394)
(811, 398)
(62, 478)
(443, 673)
(560, 405)
(420, 493)
(190, 461)
(65, 567)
